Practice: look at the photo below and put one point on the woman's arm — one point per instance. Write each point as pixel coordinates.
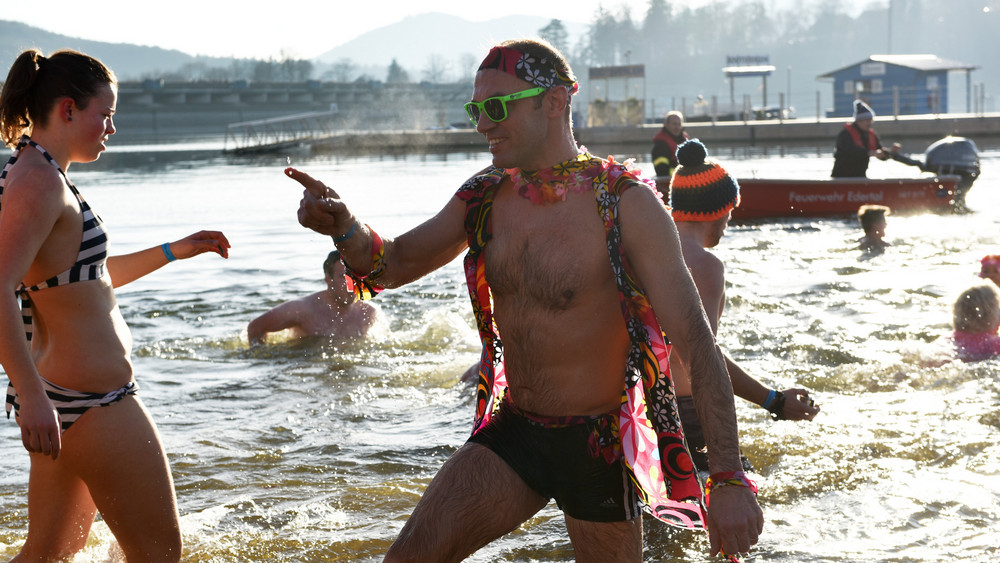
(127, 268)
(33, 202)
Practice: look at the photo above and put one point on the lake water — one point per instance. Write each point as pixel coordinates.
(300, 451)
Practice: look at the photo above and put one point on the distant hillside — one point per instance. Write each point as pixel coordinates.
(412, 41)
(130, 62)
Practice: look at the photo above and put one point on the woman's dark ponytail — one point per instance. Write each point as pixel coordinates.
(35, 82)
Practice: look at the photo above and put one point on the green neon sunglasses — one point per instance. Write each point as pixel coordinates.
(496, 108)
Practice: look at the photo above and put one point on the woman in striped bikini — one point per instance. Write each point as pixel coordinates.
(60, 327)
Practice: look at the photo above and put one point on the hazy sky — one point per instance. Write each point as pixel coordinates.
(297, 28)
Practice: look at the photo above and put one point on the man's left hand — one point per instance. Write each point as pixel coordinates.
(735, 520)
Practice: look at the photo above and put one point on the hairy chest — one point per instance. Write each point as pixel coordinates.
(551, 257)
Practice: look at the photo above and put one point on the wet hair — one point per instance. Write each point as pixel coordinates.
(977, 309)
(869, 214)
(35, 83)
(330, 262)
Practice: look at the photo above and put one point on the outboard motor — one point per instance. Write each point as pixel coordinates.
(954, 155)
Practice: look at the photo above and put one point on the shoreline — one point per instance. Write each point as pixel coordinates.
(210, 127)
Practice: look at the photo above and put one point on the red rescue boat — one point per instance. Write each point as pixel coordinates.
(954, 161)
(772, 198)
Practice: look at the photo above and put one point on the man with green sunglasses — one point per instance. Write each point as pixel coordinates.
(575, 273)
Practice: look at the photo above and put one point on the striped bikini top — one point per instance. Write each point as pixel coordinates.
(93, 251)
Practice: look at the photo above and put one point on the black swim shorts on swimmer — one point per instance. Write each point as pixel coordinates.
(568, 461)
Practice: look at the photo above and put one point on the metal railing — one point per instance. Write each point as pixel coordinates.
(267, 134)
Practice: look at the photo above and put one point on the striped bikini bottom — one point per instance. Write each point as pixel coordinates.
(71, 404)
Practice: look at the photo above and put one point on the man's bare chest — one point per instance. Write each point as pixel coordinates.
(547, 256)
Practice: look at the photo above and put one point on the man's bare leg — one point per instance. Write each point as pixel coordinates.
(606, 542)
(474, 499)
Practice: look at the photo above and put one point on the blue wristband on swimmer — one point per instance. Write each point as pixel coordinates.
(770, 398)
(166, 252)
(775, 404)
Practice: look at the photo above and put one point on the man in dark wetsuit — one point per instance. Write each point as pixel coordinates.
(856, 143)
(539, 278)
(702, 198)
(665, 144)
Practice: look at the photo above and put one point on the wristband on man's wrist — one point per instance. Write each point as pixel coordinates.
(726, 479)
(347, 235)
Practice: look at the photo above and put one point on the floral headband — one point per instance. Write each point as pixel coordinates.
(526, 67)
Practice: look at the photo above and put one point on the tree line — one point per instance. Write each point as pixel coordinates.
(684, 48)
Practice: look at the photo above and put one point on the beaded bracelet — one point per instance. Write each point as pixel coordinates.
(363, 285)
(725, 479)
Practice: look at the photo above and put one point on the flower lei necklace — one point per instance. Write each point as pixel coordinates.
(550, 185)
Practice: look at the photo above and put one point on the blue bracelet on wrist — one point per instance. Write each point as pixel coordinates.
(347, 235)
(770, 398)
(165, 247)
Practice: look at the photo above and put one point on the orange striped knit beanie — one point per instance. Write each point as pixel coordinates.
(699, 190)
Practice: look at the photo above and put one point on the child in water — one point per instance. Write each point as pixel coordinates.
(976, 319)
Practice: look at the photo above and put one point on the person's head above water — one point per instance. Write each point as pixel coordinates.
(701, 189)
(977, 309)
(990, 268)
(331, 262)
(872, 219)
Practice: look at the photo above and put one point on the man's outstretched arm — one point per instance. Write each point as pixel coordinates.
(407, 257)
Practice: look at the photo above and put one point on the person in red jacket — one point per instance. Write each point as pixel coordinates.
(856, 143)
(665, 144)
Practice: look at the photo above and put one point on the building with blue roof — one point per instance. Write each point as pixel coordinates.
(896, 85)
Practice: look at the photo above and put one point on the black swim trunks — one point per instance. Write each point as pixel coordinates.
(575, 460)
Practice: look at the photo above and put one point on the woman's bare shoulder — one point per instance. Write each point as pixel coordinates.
(33, 178)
